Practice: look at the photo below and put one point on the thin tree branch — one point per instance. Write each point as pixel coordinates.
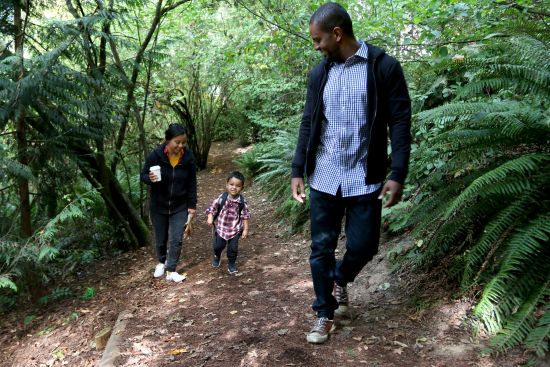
(289, 31)
(168, 8)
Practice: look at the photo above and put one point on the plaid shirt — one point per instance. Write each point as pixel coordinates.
(341, 160)
(229, 224)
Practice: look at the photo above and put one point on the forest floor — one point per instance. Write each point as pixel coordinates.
(257, 318)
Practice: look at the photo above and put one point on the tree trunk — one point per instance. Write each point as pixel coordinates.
(20, 127)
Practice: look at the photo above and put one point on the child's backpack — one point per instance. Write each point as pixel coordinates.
(222, 201)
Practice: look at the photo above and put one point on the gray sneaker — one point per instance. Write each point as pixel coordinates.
(320, 331)
(341, 295)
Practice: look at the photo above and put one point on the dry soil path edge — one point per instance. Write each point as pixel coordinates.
(112, 350)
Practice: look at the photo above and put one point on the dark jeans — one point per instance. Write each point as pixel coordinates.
(168, 235)
(362, 226)
(232, 247)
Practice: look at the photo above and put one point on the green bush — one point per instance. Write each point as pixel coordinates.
(484, 170)
(270, 165)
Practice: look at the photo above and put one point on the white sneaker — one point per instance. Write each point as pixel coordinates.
(159, 270)
(174, 276)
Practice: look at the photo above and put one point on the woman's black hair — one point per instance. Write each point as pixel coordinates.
(237, 175)
(174, 130)
(331, 15)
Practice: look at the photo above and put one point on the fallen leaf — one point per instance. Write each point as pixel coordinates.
(372, 340)
(233, 312)
(403, 345)
(178, 351)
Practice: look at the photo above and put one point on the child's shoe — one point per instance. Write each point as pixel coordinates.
(232, 268)
(216, 260)
(159, 270)
(174, 276)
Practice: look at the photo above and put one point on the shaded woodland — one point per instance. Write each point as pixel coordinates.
(87, 88)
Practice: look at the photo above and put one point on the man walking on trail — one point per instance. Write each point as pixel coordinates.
(354, 96)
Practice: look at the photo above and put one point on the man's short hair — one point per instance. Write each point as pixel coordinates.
(331, 15)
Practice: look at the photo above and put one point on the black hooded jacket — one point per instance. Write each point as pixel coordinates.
(177, 189)
(389, 106)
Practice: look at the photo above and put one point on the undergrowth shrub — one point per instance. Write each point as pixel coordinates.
(483, 171)
(72, 239)
(269, 164)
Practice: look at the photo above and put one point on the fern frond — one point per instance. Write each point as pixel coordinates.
(6, 282)
(538, 339)
(13, 168)
(494, 233)
(522, 166)
(520, 269)
(520, 324)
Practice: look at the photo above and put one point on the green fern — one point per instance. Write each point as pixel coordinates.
(539, 337)
(271, 163)
(483, 205)
(6, 282)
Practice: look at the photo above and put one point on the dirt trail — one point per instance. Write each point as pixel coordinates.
(258, 318)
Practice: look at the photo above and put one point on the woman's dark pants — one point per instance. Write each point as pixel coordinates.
(168, 235)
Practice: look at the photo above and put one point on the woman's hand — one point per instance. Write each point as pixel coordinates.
(152, 177)
(189, 225)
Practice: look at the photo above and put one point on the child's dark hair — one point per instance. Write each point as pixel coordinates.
(174, 130)
(237, 175)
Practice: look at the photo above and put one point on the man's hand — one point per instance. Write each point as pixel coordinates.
(298, 189)
(395, 189)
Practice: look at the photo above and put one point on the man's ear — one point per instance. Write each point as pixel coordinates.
(338, 33)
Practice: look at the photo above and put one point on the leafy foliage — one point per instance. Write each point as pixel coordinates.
(269, 164)
(29, 265)
(485, 167)
(55, 295)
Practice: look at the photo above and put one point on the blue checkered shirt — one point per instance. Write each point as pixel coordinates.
(341, 160)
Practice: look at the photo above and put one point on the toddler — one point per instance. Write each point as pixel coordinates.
(230, 212)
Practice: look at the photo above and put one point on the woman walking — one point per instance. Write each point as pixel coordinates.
(170, 171)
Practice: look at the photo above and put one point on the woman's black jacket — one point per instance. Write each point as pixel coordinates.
(177, 189)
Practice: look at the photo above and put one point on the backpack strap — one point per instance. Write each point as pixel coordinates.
(221, 203)
(223, 199)
(242, 202)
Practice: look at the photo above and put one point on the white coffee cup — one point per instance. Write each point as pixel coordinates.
(156, 171)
